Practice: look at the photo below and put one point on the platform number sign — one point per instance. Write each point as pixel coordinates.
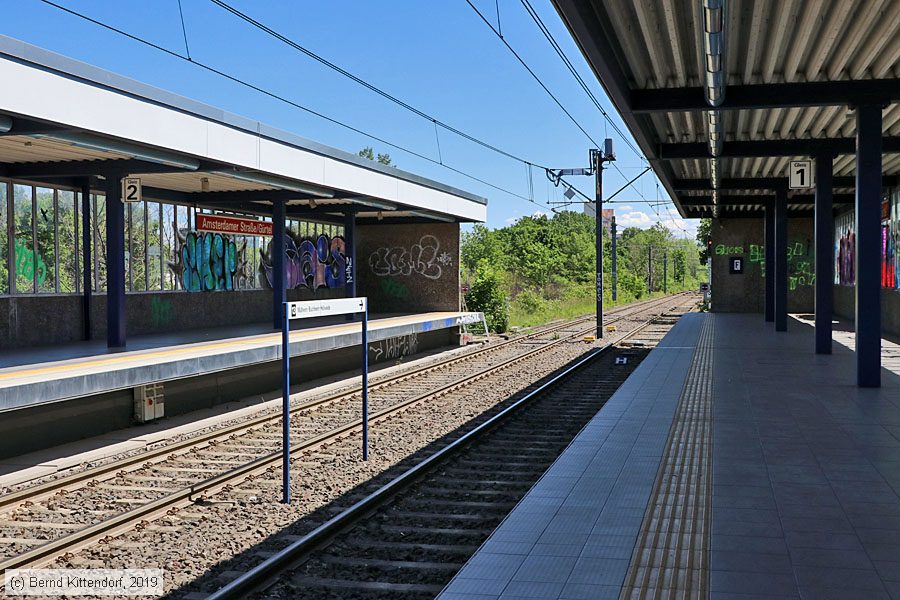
(131, 189)
(801, 174)
(736, 265)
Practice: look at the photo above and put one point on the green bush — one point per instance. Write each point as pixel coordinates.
(488, 296)
(530, 302)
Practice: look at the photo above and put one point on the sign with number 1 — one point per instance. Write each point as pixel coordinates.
(801, 175)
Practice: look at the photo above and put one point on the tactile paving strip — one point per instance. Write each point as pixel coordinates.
(671, 556)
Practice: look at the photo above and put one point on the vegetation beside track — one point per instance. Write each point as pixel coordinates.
(538, 269)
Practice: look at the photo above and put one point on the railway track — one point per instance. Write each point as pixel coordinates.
(41, 523)
(407, 539)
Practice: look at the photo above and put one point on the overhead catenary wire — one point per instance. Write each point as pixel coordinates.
(288, 101)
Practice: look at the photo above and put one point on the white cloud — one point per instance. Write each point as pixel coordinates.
(511, 220)
(539, 213)
(625, 208)
(634, 218)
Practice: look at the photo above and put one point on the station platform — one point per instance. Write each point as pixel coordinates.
(44, 375)
(734, 463)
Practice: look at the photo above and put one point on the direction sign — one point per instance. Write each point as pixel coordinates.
(801, 174)
(131, 189)
(322, 308)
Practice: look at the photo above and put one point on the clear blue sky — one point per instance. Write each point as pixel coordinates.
(436, 55)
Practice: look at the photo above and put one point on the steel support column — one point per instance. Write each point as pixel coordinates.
(770, 260)
(350, 254)
(824, 228)
(615, 269)
(781, 276)
(868, 245)
(115, 263)
(87, 281)
(279, 284)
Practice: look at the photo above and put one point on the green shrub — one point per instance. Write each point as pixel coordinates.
(488, 296)
(530, 302)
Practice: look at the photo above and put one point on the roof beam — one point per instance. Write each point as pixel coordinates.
(766, 148)
(20, 126)
(766, 183)
(80, 168)
(769, 95)
(749, 199)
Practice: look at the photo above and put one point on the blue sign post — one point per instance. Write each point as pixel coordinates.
(306, 310)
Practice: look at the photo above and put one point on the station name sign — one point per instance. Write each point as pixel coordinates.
(232, 225)
(321, 308)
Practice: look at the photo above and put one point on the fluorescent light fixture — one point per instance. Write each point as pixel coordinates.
(5, 123)
(430, 215)
(276, 182)
(94, 142)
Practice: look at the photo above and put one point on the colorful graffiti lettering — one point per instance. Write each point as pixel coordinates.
(422, 258)
(209, 262)
(25, 263)
(394, 288)
(311, 263)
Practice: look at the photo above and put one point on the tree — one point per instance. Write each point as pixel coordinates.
(704, 231)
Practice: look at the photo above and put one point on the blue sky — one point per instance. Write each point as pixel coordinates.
(437, 56)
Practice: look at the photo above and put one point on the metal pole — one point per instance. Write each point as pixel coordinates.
(285, 404)
(279, 283)
(87, 285)
(365, 383)
(115, 267)
(598, 197)
(868, 245)
(781, 277)
(649, 269)
(615, 271)
(824, 253)
(665, 271)
(770, 260)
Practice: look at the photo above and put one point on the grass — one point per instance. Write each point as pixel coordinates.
(565, 308)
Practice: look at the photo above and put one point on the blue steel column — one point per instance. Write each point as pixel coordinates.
(87, 284)
(770, 260)
(115, 263)
(279, 291)
(781, 277)
(868, 245)
(350, 254)
(824, 253)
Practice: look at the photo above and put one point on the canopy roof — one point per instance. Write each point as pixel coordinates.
(793, 73)
(65, 122)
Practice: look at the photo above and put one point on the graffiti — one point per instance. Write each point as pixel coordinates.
(395, 347)
(161, 311)
(394, 288)
(422, 258)
(801, 267)
(209, 262)
(25, 263)
(722, 249)
(311, 263)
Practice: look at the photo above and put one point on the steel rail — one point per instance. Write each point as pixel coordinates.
(262, 573)
(36, 493)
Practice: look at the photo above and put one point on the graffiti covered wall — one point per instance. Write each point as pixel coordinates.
(210, 261)
(745, 238)
(312, 263)
(406, 268)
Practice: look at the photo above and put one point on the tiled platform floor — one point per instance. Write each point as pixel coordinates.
(40, 375)
(806, 479)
